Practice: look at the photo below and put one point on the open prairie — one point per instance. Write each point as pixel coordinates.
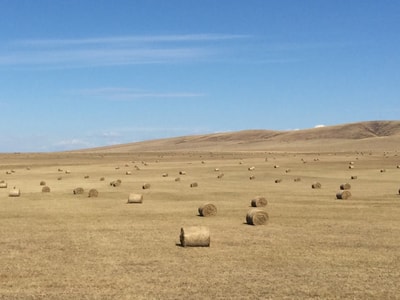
(64, 245)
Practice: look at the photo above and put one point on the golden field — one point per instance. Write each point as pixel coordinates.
(59, 245)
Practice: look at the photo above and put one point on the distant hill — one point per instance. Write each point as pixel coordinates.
(361, 136)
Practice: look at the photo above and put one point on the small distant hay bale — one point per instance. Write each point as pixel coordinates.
(287, 171)
(195, 236)
(343, 195)
(351, 167)
(257, 216)
(259, 201)
(216, 170)
(116, 168)
(137, 168)
(351, 163)
(278, 180)
(45, 189)
(251, 168)
(177, 179)
(207, 210)
(60, 170)
(220, 175)
(59, 178)
(67, 172)
(14, 192)
(194, 184)
(383, 170)
(8, 172)
(128, 173)
(182, 173)
(353, 177)
(398, 166)
(146, 186)
(42, 182)
(399, 191)
(345, 186)
(316, 185)
(102, 178)
(116, 183)
(297, 179)
(165, 175)
(276, 166)
(135, 198)
(78, 191)
(86, 176)
(93, 193)
(252, 177)
(3, 184)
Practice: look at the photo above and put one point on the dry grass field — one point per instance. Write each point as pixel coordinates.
(61, 245)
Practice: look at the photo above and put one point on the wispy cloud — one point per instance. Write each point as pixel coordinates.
(111, 51)
(130, 94)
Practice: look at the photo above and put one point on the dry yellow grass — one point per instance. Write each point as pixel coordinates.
(60, 245)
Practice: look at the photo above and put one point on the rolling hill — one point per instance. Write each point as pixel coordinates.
(360, 136)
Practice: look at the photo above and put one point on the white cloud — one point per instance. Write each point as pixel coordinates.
(319, 126)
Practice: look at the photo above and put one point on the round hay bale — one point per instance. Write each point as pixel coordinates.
(14, 192)
(43, 182)
(383, 170)
(345, 186)
(220, 175)
(128, 173)
(195, 236)
(135, 198)
(353, 177)
(116, 183)
(207, 210)
(165, 175)
(45, 189)
(398, 166)
(67, 172)
(177, 179)
(86, 177)
(276, 166)
(297, 179)
(278, 180)
(102, 178)
(259, 202)
(146, 186)
(93, 193)
(316, 185)
(251, 168)
(257, 216)
(351, 167)
(78, 191)
(252, 177)
(216, 170)
(3, 185)
(287, 171)
(59, 178)
(194, 184)
(182, 173)
(343, 195)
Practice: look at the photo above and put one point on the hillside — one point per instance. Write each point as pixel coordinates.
(361, 136)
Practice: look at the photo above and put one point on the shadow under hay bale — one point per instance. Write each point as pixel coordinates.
(207, 210)
(259, 202)
(78, 191)
(195, 236)
(135, 198)
(316, 185)
(45, 189)
(345, 186)
(257, 216)
(343, 195)
(14, 192)
(93, 193)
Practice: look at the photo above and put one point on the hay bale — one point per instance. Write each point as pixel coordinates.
(116, 183)
(182, 173)
(42, 183)
(278, 180)
(177, 179)
(252, 177)
(102, 178)
(353, 177)
(297, 179)
(195, 236)
(383, 170)
(3, 185)
(398, 166)
(216, 170)
(344, 194)
(165, 175)
(146, 186)
(287, 171)
(257, 216)
(351, 167)
(93, 193)
(276, 166)
(220, 175)
(59, 178)
(251, 168)
(67, 172)
(135, 198)
(86, 177)
(207, 210)
(316, 185)
(259, 201)
(128, 173)
(194, 184)
(14, 192)
(345, 186)
(78, 191)
(45, 189)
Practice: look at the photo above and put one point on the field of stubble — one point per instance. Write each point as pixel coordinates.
(59, 245)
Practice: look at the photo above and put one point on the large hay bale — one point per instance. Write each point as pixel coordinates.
(78, 191)
(135, 198)
(194, 184)
(259, 201)
(93, 193)
(343, 195)
(42, 182)
(316, 185)
(257, 216)
(207, 210)
(14, 192)
(45, 189)
(345, 186)
(195, 236)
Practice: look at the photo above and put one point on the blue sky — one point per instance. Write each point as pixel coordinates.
(77, 74)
